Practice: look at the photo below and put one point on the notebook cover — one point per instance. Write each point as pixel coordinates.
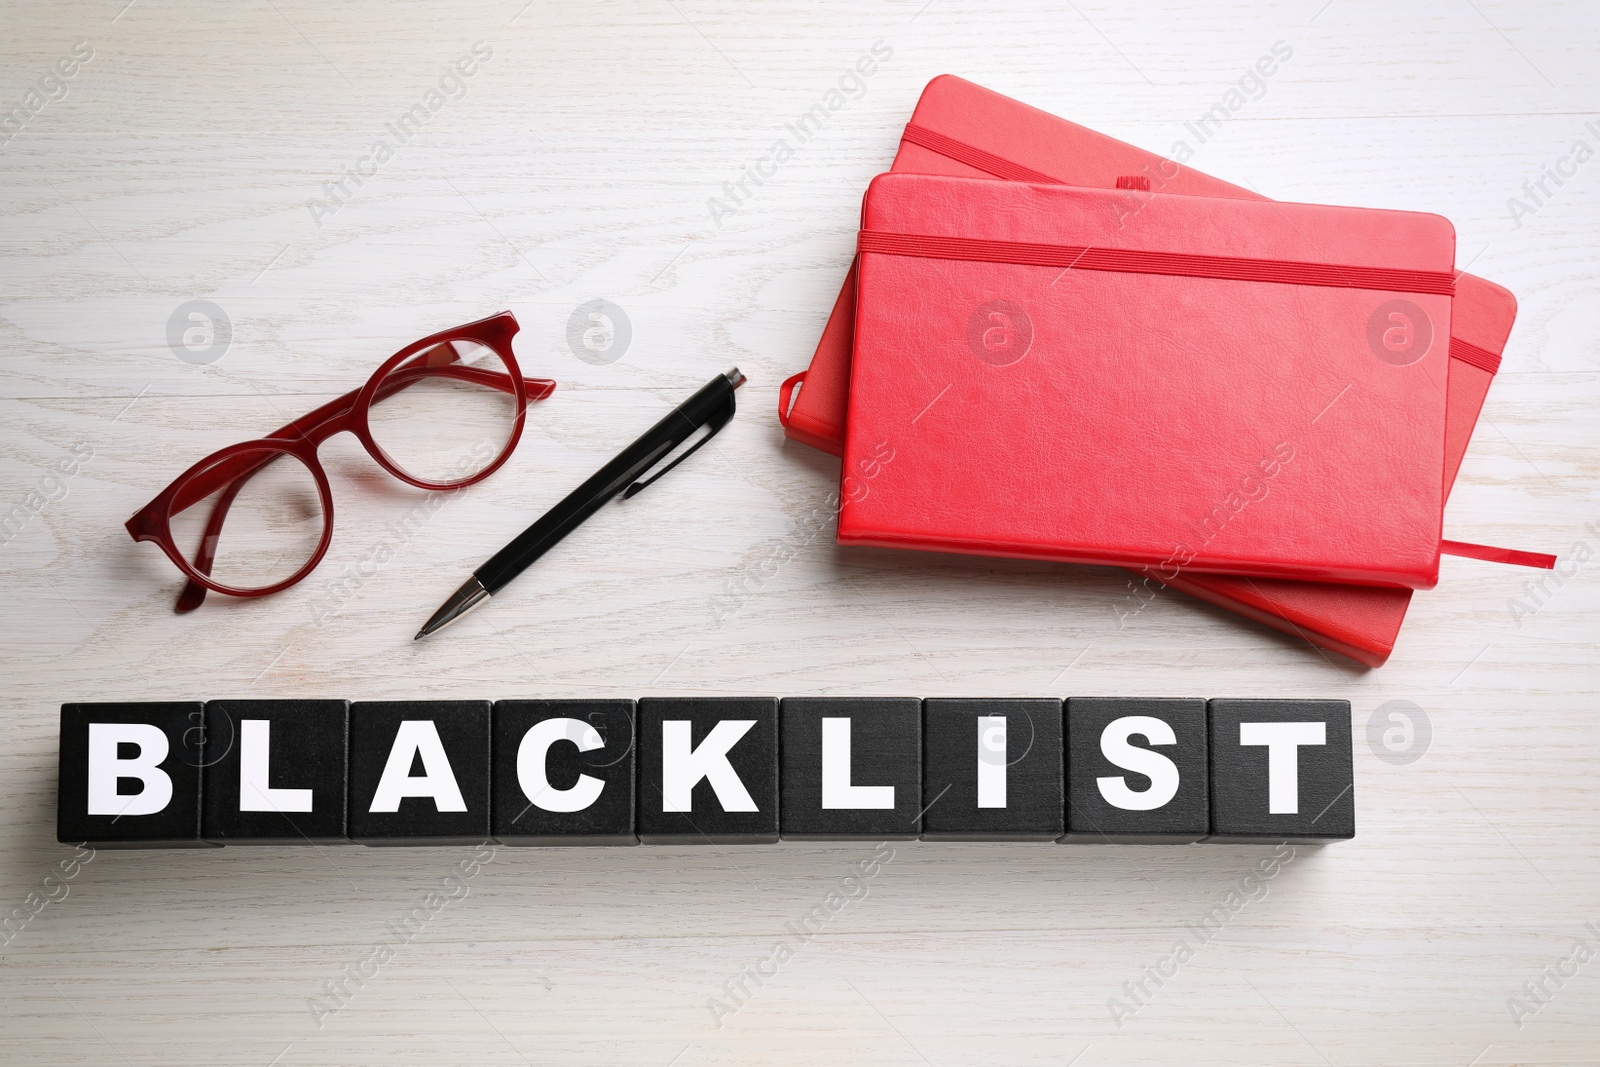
(1193, 386)
(1359, 623)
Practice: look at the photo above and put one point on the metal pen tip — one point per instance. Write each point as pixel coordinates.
(470, 595)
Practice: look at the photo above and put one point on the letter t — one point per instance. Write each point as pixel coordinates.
(1283, 741)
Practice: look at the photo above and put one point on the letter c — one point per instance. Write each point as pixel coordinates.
(531, 757)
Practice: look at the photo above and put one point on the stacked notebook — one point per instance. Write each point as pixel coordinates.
(1054, 345)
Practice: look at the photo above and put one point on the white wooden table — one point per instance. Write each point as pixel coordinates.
(577, 164)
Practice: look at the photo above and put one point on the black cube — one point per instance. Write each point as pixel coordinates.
(992, 769)
(708, 770)
(851, 768)
(563, 772)
(275, 771)
(419, 772)
(1282, 770)
(1137, 770)
(130, 774)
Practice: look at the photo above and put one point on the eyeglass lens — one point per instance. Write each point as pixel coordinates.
(445, 414)
(269, 528)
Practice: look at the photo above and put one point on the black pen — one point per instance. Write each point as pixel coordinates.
(710, 408)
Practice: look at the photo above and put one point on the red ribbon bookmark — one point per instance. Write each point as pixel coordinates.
(1541, 560)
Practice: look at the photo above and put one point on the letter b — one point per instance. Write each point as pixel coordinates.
(108, 768)
(129, 775)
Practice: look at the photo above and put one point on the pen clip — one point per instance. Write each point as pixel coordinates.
(639, 486)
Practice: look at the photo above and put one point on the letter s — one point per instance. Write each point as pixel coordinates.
(1161, 771)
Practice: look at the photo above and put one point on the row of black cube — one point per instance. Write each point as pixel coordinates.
(1069, 770)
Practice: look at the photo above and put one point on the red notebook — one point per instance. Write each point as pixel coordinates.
(976, 132)
(1175, 383)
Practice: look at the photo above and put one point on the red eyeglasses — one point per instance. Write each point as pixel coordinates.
(442, 413)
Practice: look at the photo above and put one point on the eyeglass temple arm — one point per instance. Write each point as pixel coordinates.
(235, 473)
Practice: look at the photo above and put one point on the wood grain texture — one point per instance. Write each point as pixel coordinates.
(577, 165)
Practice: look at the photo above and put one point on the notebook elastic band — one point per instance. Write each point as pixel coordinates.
(1469, 353)
(1541, 560)
(1000, 167)
(785, 395)
(976, 158)
(1181, 264)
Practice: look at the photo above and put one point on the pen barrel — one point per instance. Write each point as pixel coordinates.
(707, 406)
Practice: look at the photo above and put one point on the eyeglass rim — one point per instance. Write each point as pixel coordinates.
(501, 327)
(303, 451)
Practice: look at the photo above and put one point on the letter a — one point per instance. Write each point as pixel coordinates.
(418, 737)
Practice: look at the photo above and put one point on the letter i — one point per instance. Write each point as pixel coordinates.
(991, 761)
